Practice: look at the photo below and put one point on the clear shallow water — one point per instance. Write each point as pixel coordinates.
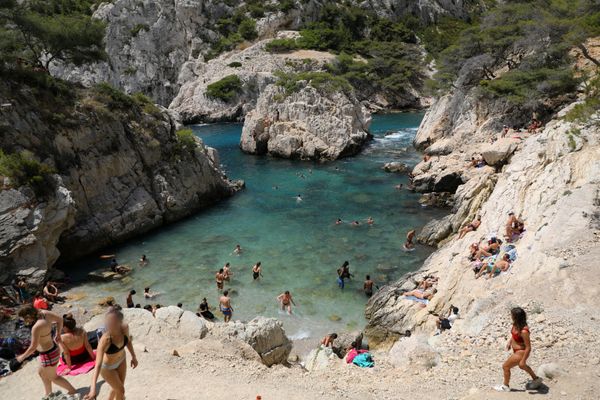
(298, 243)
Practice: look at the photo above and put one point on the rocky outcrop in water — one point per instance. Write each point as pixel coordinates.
(307, 124)
(121, 172)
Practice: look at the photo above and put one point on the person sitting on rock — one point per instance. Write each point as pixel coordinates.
(499, 266)
(492, 247)
(514, 226)
(328, 340)
(445, 323)
(51, 292)
(470, 227)
(118, 269)
(427, 282)
(204, 310)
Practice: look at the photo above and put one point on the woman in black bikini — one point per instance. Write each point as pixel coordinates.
(256, 271)
(110, 356)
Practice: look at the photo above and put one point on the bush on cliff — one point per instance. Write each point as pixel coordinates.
(186, 140)
(322, 81)
(24, 170)
(281, 45)
(225, 89)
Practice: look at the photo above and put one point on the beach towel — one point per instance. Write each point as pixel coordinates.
(352, 354)
(77, 369)
(364, 360)
(418, 300)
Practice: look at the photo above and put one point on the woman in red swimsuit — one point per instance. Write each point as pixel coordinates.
(521, 346)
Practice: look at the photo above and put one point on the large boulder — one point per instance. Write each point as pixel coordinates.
(396, 166)
(265, 335)
(414, 352)
(310, 123)
(499, 152)
(320, 358)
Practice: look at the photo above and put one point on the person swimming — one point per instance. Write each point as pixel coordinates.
(227, 274)
(256, 271)
(370, 221)
(150, 295)
(143, 261)
(355, 223)
(237, 250)
(409, 240)
(339, 221)
(298, 199)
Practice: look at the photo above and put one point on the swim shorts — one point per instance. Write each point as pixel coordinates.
(49, 358)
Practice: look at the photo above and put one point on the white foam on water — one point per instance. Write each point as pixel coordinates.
(302, 333)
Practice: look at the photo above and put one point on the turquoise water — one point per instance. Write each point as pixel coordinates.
(298, 243)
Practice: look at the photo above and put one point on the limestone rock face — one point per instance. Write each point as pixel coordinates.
(551, 182)
(319, 359)
(118, 177)
(308, 124)
(30, 232)
(499, 152)
(265, 335)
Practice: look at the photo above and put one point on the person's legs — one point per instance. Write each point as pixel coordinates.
(528, 369)
(117, 389)
(510, 363)
(49, 374)
(47, 382)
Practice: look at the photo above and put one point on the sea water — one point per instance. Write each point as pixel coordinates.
(298, 243)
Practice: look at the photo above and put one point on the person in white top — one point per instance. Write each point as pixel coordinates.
(445, 323)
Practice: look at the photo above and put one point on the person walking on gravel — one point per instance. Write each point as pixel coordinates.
(520, 343)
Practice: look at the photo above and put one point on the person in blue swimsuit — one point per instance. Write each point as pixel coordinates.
(225, 306)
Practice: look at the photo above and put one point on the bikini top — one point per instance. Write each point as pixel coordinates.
(112, 349)
(516, 335)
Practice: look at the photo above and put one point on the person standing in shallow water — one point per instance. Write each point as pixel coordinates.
(47, 347)
(256, 271)
(343, 274)
(219, 278)
(286, 301)
(368, 286)
(225, 306)
(520, 343)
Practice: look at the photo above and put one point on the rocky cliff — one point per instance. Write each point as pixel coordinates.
(307, 124)
(550, 179)
(121, 170)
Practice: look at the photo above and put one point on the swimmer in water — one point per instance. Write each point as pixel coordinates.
(368, 286)
(286, 301)
(370, 221)
(256, 271)
(227, 274)
(237, 250)
(409, 239)
(355, 223)
(143, 261)
(298, 199)
(399, 187)
(339, 221)
(150, 295)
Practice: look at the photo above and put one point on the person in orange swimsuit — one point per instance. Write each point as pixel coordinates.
(520, 344)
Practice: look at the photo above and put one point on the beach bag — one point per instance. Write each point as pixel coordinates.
(363, 360)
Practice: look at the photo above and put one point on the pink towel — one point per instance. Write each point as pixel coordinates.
(77, 369)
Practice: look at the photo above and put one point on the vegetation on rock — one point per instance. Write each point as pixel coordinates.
(24, 170)
(225, 89)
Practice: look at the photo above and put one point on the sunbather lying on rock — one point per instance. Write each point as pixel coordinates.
(500, 266)
(470, 227)
(514, 226)
(492, 247)
(427, 282)
(421, 294)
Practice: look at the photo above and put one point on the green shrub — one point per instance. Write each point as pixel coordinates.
(256, 10)
(583, 111)
(286, 5)
(281, 45)
(186, 140)
(24, 170)
(225, 89)
(235, 64)
(146, 104)
(322, 81)
(114, 98)
(247, 29)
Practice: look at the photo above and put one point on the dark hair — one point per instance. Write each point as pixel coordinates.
(69, 322)
(204, 300)
(345, 264)
(221, 270)
(353, 345)
(132, 292)
(368, 277)
(157, 306)
(148, 307)
(147, 289)
(225, 293)
(287, 292)
(28, 311)
(519, 317)
(333, 335)
(258, 263)
(407, 333)
(138, 305)
(38, 294)
(455, 310)
(227, 264)
(179, 305)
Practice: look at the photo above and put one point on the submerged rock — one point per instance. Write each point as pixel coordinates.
(307, 124)
(396, 166)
